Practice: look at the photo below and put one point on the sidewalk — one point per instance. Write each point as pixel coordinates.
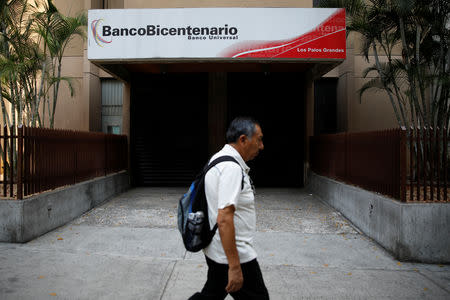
(129, 248)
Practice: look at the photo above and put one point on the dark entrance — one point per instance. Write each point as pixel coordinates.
(169, 125)
(325, 105)
(169, 133)
(277, 101)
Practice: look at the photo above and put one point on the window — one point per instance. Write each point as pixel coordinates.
(114, 129)
(112, 94)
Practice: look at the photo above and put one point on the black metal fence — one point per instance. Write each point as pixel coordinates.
(38, 159)
(407, 167)
(428, 165)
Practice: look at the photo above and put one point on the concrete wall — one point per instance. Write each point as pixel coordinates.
(24, 220)
(411, 231)
(72, 112)
(83, 110)
(374, 110)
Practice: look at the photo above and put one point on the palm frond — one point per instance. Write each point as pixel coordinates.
(6, 96)
(403, 7)
(68, 80)
(372, 84)
(351, 6)
(368, 70)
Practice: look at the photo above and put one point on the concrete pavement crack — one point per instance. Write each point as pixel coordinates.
(434, 281)
(168, 279)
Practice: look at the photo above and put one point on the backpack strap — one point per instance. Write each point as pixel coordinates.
(211, 165)
(222, 159)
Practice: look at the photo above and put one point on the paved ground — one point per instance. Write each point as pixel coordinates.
(129, 248)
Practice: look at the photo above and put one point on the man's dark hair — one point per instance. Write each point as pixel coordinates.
(241, 126)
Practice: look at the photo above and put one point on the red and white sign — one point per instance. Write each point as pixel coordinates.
(217, 33)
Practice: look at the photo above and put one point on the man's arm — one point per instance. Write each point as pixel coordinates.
(225, 222)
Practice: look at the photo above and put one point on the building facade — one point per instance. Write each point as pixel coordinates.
(175, 112)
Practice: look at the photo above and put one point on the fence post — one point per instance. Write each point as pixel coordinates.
(5, 143)
(346, 157)
(425, 161)
(437, 163)
(403, 164)
(418, 153)
(26, 161)
(411, 162)
(75, 158)
(19, 162)
(105, 166)
(431, 162)
(11, 163)
(445, 162)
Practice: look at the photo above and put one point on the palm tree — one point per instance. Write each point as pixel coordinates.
(417, 82)
(33, 38)
(56, 32)
(17, 64)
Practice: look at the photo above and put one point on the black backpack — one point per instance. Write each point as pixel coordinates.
(193, 221)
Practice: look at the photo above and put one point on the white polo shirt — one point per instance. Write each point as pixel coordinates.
(222, 189)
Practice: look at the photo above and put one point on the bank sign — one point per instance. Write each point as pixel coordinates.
(217, 33)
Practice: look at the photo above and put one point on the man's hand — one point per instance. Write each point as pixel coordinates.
(225, 222)
(235, 279)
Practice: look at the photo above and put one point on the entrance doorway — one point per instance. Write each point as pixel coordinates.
(169, 133)
(169, 125)
(325, 106)
(276, 101)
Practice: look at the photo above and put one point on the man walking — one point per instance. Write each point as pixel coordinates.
(231, 258)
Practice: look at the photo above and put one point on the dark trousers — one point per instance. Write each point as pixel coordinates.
(253, 288)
